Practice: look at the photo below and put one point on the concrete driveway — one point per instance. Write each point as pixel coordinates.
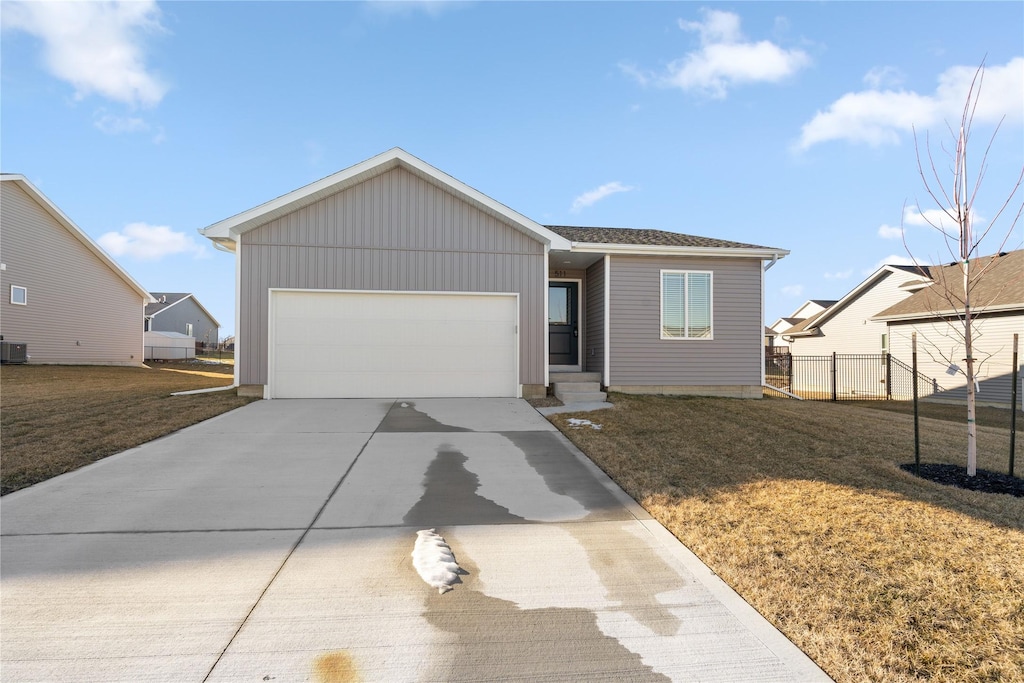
(273, 543)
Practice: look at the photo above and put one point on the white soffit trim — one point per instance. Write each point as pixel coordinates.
(69, 225)
(229, 229)
(656, 249)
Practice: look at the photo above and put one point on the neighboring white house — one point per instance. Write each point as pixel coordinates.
(60, 294)
(932, 312)
(778, 328)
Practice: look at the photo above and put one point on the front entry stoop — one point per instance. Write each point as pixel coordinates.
(577, 387)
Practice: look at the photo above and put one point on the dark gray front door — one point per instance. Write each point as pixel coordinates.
(563, 323)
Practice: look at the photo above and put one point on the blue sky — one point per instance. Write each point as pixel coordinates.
(780, 124)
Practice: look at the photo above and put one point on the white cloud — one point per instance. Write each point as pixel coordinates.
(793, 290)
(593, 196)
(930, 218)
(890, 232)
(883, 77)
(150, 242)
(839, 275)
(111, 124)
(879, 117)
(95, 46)
(891, 260)
(402, 8)
(725, 59)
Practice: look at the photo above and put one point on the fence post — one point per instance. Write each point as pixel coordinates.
(888, 376)
(835, 387)
(917, 432)
(1013, 403)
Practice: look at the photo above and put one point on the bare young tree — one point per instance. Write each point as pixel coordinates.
(955, 190)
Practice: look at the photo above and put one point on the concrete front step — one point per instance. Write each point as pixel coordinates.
(568, 397)
(575, 386)
(556, 377)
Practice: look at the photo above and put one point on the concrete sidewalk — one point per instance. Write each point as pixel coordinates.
(274, 543)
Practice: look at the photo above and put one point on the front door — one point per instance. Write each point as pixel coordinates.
(563, 323)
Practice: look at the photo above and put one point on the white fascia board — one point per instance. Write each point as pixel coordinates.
(850, 296)
(950, 312)
(76, 231)
(659, 250)
(230, 228)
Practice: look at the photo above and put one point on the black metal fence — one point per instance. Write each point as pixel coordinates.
(846, 377)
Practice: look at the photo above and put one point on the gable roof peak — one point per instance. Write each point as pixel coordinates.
(226, 232)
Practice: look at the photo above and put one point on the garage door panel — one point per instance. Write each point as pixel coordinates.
(360, 344)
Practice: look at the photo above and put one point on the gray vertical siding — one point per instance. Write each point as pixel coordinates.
(79, 310)
(397, 232)
(641, 357)
(174, 318)
(593, 349)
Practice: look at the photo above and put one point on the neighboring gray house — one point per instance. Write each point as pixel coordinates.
(393, 279)
(998, 305)
(60, 293)
(181, 312)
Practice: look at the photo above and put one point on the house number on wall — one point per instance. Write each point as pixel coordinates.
(559, 273)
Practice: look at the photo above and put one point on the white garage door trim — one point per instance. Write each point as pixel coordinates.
(496, 344)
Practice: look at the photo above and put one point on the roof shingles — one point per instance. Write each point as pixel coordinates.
(640, 236)
(1001, 285)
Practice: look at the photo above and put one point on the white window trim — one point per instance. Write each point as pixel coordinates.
(188, 329)
(711, 304)
(24, 291)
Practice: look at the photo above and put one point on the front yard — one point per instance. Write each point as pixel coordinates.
(57, 418)
(801, 507)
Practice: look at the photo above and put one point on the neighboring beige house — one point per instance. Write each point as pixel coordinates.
(847, 326)
(60, 294)
(932, 312)
(393, 279)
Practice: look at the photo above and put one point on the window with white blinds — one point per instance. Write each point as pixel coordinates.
(685, 304)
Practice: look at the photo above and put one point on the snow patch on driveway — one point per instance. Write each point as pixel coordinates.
(435, 561)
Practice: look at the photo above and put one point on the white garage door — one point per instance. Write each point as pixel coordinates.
(328, 344)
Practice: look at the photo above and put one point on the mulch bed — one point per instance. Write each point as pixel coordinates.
(956, 475)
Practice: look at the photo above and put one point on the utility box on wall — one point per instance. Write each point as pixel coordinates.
(13, 352)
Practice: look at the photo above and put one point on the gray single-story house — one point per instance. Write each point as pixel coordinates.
(393, 279)
(61, 295)
(181, 312)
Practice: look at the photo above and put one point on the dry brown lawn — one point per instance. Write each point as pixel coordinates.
(57, 418)
(801, 508)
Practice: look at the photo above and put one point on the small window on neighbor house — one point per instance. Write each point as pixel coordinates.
(685, 305)
(19, 295)
(885, 343)
(188, 329)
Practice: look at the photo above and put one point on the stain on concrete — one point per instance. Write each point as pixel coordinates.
(335, 667)
(403, 417)
(564, 474)
(450, 495)
(493, 639)
(632, 574)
